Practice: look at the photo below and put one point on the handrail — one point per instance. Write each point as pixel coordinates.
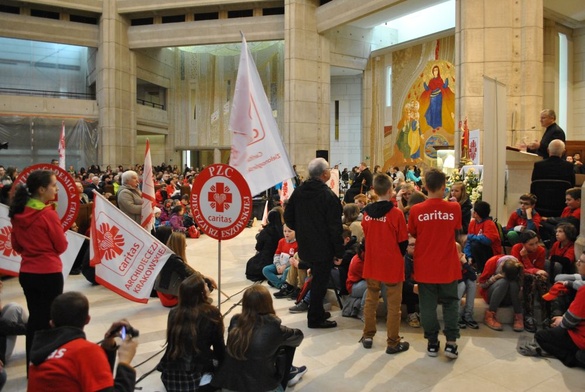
(46, 93)
(151, 104)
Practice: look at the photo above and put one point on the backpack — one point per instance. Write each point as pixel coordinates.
(254, 268)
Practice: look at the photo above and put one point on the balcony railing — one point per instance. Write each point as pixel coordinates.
(46, 93)
(151, 104)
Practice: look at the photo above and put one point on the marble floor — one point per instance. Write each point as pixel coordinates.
(488, 360)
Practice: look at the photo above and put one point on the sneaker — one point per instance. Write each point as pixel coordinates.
(367, 342)
(299, 308)
(433, 349)
(295, 375)
(400, 347)
(451, 351)
(285, 291)
(471, 323)
(529, 324)
(294, 294)
(413, 320)
(462, 324)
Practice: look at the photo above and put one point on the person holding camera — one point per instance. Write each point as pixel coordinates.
(62, 359)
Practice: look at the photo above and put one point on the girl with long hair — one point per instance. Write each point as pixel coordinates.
(39, 238)
(176, 269)
(459, 195)
(194, 339)
(260, 349)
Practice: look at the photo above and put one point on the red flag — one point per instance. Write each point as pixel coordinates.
(62, 147)
(148, 194)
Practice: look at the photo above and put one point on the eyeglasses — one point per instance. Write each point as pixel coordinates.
(411, 245)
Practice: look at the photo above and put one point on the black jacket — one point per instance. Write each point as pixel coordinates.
(554, 168)
(314, 213)
(47, 341)
(551, 133)
(261, 371)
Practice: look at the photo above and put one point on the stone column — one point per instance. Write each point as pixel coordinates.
(116, 89)
(306, 83)
(502, 39)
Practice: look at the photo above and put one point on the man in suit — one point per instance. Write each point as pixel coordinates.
(554, 167)
(361, 183)
(548, 120)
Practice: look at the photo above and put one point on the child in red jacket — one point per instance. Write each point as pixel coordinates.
(531, 254)
(562, 253)
(483, 237)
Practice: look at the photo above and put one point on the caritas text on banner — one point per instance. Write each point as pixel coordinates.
(126, 257)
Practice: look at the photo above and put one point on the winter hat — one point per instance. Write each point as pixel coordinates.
(557, 289)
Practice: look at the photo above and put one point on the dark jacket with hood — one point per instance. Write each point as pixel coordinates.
(314, 213)
(47, 341)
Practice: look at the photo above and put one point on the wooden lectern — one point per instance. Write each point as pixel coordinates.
(519, 165)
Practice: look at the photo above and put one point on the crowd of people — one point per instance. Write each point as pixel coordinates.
(402, 236)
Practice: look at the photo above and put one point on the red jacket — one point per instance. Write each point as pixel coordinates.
(533, 262)
(488, 228)
(39, 238)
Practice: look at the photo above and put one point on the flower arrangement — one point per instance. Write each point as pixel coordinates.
(473, 185)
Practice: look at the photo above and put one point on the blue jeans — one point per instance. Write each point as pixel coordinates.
(270, 273)
(467, 287)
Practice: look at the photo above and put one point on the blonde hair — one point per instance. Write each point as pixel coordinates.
(177, 243)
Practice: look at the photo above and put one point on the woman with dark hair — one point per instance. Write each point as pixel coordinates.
(194, 339)
(266, 244)
(260, 349)
(39, 238)
(176, 219)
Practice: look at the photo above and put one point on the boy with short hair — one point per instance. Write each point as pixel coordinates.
(436, 263)
(483, 236)
(385, 233)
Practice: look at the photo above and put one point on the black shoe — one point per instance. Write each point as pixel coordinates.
(324, 324)
(472, 324)
(399, 348)
(294, 294)
(462, 324)
(327, 315)
(529, 324)
(285, 291)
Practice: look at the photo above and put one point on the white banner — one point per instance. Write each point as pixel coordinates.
(62, 147)
(257, 149)
(126, 257)
(148, 193)
(286, 190)
(474, 147)
(10, 260)
(333, 182)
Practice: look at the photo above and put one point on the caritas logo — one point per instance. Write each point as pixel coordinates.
(110, 240)
(118, 249)
(6, 242)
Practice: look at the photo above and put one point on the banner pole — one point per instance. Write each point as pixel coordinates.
(219, 275)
